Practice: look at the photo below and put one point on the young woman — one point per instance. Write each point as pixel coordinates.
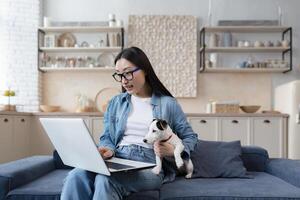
(126, 122)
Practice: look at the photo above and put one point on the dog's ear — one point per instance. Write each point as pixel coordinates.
(161, 125)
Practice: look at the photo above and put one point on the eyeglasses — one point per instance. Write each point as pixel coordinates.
(127, 75)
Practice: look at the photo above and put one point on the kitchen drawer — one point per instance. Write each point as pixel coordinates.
(235, 129)
(6, 138)
(268, 133)
(205, 127)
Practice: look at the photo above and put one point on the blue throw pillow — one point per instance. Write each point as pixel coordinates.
(218, 159)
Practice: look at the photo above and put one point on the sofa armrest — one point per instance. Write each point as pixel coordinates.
(20, 172)
(286, 169)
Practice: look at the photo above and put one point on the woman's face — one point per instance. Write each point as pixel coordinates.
(137, 86)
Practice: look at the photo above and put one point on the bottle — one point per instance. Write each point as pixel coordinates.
(112, 20)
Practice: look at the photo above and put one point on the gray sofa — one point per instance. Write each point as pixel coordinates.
(41, 177)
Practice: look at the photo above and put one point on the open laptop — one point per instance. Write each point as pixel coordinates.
(73, 142)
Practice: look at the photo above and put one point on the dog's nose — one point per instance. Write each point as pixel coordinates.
(144, 140)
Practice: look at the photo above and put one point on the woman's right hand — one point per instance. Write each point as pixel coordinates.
(106, 153)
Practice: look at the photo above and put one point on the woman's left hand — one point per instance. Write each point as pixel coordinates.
(163, 149)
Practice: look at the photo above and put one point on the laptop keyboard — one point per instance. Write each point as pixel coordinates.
(117, 165)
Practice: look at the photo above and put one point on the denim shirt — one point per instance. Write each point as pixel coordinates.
(164, 107)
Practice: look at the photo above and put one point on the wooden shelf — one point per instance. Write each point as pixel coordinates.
(81, 49)
(245, 49)
(245, 70)
(77, 69)
(246, 29)
(91, 29)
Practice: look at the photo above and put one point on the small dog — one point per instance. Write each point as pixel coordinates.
(160, 131)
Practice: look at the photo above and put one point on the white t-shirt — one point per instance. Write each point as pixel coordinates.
(138, 122)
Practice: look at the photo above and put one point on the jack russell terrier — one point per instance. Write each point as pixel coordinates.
(160, 131)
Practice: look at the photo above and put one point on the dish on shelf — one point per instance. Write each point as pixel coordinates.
(250, 108)
(105, 60)
(49, 108)
(66, 40)
(104, 96)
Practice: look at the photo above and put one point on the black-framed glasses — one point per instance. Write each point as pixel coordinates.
(127, 75)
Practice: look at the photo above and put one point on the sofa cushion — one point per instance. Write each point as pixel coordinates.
(217, 159)
(58, 162)
(16, 173)
(47, 187)
(262, 186)
(255, 158)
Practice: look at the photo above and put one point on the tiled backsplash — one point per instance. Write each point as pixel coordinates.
(247, 88)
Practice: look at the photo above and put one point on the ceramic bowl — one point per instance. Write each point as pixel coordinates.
(49, 108)
(250, 108)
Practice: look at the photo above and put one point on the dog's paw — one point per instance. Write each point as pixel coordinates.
(156, 170)
(179, 164)
(188, 176)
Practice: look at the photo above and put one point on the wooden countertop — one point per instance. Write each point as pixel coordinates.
(99, 114)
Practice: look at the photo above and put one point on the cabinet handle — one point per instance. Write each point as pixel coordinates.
(267, 121)
(235, 121)
(5, 120)
(22, 120)
(203, 121)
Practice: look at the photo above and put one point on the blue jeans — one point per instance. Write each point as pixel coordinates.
(83, 185)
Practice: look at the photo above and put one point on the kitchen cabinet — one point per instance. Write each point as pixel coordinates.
(205, 127)
(6, 138)
(14, 137)
(283, 52)
(235, 129)
(81, 48)
(269, 132)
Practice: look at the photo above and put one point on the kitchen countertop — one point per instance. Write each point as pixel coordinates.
(99, 114)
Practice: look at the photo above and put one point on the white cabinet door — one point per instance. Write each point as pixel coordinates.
(268, 133)
(235, 129)
(97, 128)
(21, 136)
(205, 127)
(6, 138)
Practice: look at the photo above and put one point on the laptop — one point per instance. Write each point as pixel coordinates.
(74, 144)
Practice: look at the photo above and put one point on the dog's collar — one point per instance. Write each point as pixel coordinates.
(166, 139)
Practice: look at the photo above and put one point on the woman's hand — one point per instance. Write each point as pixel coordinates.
(105, 152)
(163, 149)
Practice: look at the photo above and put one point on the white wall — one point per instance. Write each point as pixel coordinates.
(210, 85)
(19, 20)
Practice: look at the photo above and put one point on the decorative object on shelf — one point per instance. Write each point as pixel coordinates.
(225, 106)
(83, 104)
(49, 108)
(250, 108)
(173, 54)
(50, 40)
(47, 21)
(105, 60)
(104, 96)
(9, 93)
(227, 39)
(213, 40)
(66, 40)
(111, 20)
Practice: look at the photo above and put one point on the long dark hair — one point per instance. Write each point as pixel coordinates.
(136, 56)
